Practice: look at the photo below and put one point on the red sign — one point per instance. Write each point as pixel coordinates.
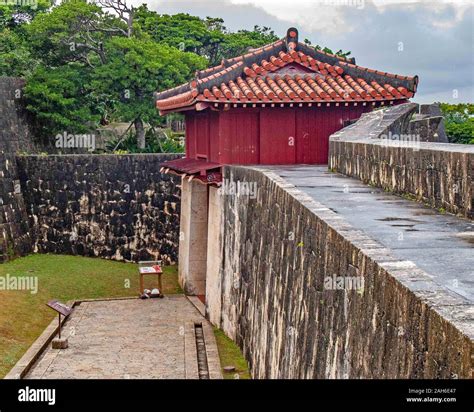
(59, 307)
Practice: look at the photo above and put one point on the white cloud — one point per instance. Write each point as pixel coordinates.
(437, 36)
(319, 15)
(328, 15)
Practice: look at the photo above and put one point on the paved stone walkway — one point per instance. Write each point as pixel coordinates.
(127, 339)
(442, 245)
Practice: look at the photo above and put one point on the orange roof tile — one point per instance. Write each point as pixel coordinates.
(287, 71)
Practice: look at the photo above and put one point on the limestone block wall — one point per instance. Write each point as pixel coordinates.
(109, 206)
(16, 133)
(276, 249)
(438, 174)
(193, 237)
(214, 255)
(14, 227)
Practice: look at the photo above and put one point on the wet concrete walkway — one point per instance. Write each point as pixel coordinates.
(130, 339)
(442, 245)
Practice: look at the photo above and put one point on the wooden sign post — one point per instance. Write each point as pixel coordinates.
(64, 310)
(150, 268)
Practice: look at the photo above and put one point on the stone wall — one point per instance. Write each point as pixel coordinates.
(109, 206)
(276, 251)
(14, 228)
(438, 174)
(214, 255)
(193, 241)
(15, 135)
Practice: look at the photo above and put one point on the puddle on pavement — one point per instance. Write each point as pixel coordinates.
(395, 219)
(351, 192)
(467, 236)
(311, 187)
(424, 213)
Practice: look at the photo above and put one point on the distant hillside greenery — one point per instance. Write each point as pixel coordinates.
(459, 122)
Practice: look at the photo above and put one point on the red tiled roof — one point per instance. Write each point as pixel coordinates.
(286, 71)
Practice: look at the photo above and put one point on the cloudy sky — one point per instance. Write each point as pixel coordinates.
(431, 38)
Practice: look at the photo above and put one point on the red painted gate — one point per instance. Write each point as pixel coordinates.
(277, 136)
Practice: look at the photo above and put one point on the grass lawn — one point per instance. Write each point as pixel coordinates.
(230, 355)
(24, 316)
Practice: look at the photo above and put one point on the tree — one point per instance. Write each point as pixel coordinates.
(339, 53)
(183, 31)
(75, 31)
(59, 97)
(15, 56)
(119, 65)
(459, 122)
(136, 68)
(13, 16)
(207, 37)
(124, 12)
(236, 44)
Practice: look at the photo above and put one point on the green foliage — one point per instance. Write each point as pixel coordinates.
(137, 67)
(15, 15)
(91, 73)
(339, 53)
(59, 99)
(15, 51)
(16, 59)
(459, 122)
(206, 37)
(64, 35)
(240, 42)
(182, 31)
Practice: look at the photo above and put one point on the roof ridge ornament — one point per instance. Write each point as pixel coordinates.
(291, 39)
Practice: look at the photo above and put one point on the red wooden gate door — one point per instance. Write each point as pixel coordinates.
(277, 136)
(239, 137)
(311, 147)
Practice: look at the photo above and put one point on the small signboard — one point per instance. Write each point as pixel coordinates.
(60, 307)
(150, 269)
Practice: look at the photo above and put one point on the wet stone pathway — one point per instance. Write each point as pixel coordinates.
(440, 244)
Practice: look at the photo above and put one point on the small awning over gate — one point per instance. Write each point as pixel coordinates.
(200, 169)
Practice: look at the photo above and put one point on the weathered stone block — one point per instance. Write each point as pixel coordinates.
(62, 343)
